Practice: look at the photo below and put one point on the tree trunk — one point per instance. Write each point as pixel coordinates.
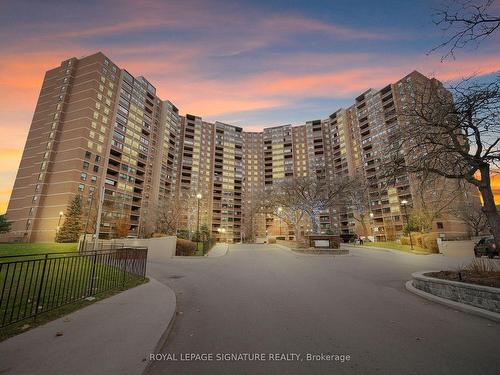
(314, 222)
(489, 207)
(363, 224)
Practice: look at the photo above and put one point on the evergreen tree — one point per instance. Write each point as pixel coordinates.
(72, 226)
(4, 224)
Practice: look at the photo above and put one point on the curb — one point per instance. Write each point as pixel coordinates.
(300, 254)
(452, 304)
(165, 335)
(393, 251)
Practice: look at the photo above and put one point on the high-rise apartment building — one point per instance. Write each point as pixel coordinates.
(102, 133)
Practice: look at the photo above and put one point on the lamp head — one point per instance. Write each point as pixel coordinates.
(404, 201)
(198, 196)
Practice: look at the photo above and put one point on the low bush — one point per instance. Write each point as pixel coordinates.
(272, 240)
(429, 242)
(417, 239)
(405, 240)
(185, 247)
(480, 265)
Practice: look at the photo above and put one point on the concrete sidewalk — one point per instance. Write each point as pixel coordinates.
(218, 250)
(113, 336)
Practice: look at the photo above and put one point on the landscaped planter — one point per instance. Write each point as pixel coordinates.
(484, 297)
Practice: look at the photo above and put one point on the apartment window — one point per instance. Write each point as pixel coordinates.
(83, 176)
(34, 199)
(96, 168)
(81, 187)
(85, 165)
(97, 158)
(28, 223)
(87, 155)
(37, 187)
(106, 62)
(93, 179)
(440, 225)
(30, 213)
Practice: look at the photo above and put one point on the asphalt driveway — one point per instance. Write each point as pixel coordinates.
(262, 299)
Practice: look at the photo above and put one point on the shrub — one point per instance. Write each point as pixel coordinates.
(429, 242)
(480, 265)
(184, 247)
(405, 240)
(272, 240)
(417, 239)
(158, 235)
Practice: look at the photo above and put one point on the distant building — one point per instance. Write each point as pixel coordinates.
(96, 128)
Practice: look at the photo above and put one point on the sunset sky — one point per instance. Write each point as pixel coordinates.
(252, 64)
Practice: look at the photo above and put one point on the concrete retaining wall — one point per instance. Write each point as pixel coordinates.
(456, 248)
(480, 296)
(159, 249)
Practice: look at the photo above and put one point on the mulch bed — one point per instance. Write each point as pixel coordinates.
(479, 278)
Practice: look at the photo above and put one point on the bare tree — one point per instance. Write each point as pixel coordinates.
(168, 215)
(467, 23)
(284, 204)
(456, 139)
(434, 197)
(473, 216)
(357, 199)
(311, 195)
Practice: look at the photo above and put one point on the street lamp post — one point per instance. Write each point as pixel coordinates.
(371, 226)
(198, 197)
(404, 202)
(279, 212)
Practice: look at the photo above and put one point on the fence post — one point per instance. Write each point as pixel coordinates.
(125, 267)
(37, 307)
(92, 274)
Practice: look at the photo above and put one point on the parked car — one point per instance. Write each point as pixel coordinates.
(486, 246)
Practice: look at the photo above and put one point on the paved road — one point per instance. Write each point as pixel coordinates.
(264, 299)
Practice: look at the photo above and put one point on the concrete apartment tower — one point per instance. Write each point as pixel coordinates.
(101, 133)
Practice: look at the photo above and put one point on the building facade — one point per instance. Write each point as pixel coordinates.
(100, 132)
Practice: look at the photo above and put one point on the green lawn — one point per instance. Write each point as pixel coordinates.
(7, 249)
(395, 246)
(34, 284)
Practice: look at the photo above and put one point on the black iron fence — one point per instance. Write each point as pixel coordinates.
(88, 245)
(33, 284)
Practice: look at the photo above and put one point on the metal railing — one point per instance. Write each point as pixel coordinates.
(33, 284)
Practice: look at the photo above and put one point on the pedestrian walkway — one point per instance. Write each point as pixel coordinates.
(218, 250)
(112, 336)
